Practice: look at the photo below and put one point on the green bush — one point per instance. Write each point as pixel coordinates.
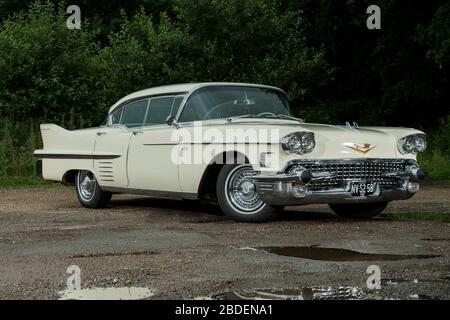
(436, 159)
(17, 143)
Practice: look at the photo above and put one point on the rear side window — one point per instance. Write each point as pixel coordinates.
(134, 113)
(158, 110)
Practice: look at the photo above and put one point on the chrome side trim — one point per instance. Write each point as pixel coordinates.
(209, 143)
(152, 193)
(75, 156)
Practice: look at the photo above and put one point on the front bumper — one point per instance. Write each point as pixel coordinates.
(327, 187)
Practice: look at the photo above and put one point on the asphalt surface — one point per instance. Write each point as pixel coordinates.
(181, 249)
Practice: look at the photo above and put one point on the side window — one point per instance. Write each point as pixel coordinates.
(116, 116)
(134, 113)
(159, 109)
(176, 105)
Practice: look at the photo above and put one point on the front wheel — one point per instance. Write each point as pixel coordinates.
(358, 210)
(89, 192)
(237, 196)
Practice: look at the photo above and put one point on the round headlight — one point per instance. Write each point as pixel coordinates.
(413, 143)
(298, 142)
(421, 143)
(295, 143)
(409, 145)
(308, 143)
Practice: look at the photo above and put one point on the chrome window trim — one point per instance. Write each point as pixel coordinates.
(148, 107)
(147, 97)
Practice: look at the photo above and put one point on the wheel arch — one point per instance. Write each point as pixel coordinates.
(207, 186)
(69, 177)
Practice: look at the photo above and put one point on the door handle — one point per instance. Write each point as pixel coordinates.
(137, 132)
(100, 133)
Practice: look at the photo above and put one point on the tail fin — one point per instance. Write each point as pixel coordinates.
(50, 132)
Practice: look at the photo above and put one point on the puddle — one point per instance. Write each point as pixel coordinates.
(313, 293)
(335, 254)
(124, 293)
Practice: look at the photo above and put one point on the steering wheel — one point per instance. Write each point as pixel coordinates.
(206, 116)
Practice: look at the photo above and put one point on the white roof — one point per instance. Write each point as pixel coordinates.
(180, 88)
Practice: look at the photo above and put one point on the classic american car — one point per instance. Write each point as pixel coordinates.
(236, 145)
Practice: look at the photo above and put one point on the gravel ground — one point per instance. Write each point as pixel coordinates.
(181, 249)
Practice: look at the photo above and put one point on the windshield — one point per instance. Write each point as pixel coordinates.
(218, 102)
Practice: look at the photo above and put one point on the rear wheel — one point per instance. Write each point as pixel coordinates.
(237, 196)
(89, 192)
(358, 210)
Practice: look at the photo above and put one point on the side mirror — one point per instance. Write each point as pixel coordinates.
(109, 120)
(171, 120)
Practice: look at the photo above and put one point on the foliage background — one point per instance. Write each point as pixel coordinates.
(319, 51)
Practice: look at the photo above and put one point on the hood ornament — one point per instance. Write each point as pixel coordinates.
(352, 126)
(360, 147)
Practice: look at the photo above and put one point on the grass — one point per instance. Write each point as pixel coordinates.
(434, 216)
(26, 182)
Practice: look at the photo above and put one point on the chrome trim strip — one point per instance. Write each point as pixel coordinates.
(152, 193)
(161, 144)
(75, 156)
(209, 143)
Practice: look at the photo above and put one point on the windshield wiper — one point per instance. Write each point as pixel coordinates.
(229, 119)
(276, 116)
(285, 116)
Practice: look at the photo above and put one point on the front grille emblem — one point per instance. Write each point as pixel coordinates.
(360, 147)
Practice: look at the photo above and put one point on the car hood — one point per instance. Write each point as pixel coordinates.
(349, 142)
(333, 141)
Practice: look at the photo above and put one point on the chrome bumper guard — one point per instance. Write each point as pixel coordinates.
(294, 188)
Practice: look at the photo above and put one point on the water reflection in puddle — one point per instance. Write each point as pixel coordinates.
(313, 293)
(335, 254)
(124, 293)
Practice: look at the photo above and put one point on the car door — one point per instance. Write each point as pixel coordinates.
(151, 165)
(114, 139)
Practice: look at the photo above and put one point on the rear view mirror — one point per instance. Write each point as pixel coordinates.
(171, 120)
(244, 102)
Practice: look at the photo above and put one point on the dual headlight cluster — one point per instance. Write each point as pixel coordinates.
(298, 142)
(413, 144)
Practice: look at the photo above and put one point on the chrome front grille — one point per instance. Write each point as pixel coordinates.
(336, 173)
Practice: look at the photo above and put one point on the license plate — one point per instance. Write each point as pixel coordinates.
(363, 188)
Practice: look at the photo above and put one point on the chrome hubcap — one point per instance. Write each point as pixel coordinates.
(241, 190)
(86, 184)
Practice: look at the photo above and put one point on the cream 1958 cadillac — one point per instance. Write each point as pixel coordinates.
(236, 145)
